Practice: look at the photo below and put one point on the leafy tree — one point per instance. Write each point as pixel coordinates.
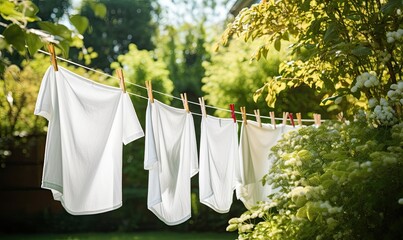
(338, 181)
(183, 40)
(17, 18)
(183, 49)
(124, 22)
(236, 80)
(335, 41)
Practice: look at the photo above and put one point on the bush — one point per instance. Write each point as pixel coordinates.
(338, 181)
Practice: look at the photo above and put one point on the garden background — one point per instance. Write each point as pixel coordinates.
(341, 59)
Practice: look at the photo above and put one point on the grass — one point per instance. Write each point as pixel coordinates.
(124, 236)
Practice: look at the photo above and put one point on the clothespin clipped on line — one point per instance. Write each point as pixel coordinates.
(291, 119)
(243, 111)
(53, 59)
(299, 119)
(185, 101)
(340, 117)
(150, 91)
(273, 120)
(202, 107)
(122, 84)
(316, 117)
(285, 115)
(232, 107)
(257, 114)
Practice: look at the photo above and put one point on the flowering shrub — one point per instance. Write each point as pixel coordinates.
(338, 181)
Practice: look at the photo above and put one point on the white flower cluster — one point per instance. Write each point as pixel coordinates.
(383, 111)
(395, 93)
(394, 36)
(329, 208)
(367, 79)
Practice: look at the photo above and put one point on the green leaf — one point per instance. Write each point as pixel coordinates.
(15, 36)
(29, 9)
(332, 98)
(99, 10)
(285, 36)
(277, 44)
(56, 29)
(64, 46)
(306, 5)
(34, 43)
(301, 213)
(80, 23)
(361, 51)
(7, 10)
(257, 94)
(312, 211)
(331, 33)
(391, 6)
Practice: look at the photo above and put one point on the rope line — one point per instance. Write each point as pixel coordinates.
(165, 94)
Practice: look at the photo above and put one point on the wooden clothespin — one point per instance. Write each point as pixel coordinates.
(273, 120)
(291, 119)
(243, 111)
(232, 107)
(150, 91)
(299, 119)
(53, 59)
(122, 84)
(285, 115)
(316, 117)
(340, 117)
(257, 114)
(185, 101)
(202, 107)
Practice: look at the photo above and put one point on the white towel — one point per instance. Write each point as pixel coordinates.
(254, 162)
(218, 155)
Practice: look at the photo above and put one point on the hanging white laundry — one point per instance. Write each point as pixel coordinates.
(254, 161)
(171, 159)
(87, 124)
(218, 155)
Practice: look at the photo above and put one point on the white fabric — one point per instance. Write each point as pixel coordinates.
(218, 155)
(171, 159)
(254, 161)
(87, 124)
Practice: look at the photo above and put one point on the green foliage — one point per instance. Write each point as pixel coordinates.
(333, 42)
(113, 25)
(17, 18)
(338, 181)
(183, 49)
(232, 78)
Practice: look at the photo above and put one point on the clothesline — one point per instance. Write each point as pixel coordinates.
(165, 94)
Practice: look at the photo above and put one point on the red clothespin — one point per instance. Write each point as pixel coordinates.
(232, 107)
(291, 119)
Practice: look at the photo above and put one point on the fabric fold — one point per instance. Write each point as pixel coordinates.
(88, 122)
(171, 159)
(255, 161)
(218, 155)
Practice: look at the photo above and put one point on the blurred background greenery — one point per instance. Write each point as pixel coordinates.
(170, 43)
